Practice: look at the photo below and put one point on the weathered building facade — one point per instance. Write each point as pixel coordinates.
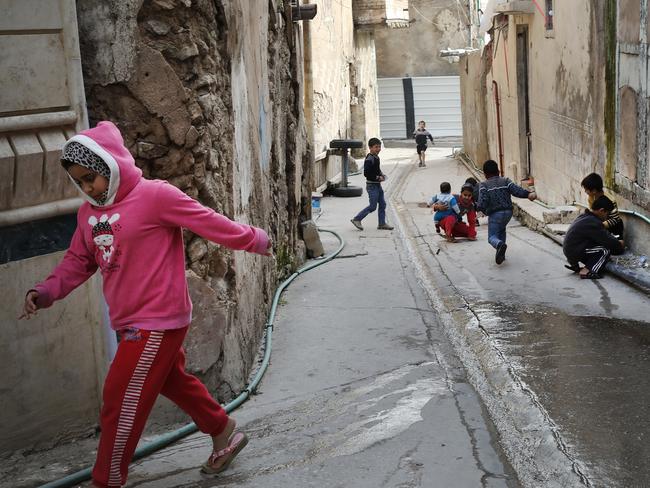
(208, 96)
(340, 80)
(560, 92)
(415, 82)
(433, 25)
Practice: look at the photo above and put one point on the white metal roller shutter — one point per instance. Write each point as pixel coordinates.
(391, 108)
(436, 100)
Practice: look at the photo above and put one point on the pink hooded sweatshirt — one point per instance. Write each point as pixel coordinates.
(136, 240)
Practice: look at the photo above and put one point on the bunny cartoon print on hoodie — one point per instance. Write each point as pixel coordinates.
(103, 234)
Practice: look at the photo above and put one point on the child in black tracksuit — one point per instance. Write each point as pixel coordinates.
(588, 242)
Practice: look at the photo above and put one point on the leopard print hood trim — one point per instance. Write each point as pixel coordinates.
(77, 153)
(84, 151)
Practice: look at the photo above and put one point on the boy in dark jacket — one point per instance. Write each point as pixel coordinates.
(374, 177)
(494, 200)
(593, 186)
(587, 241)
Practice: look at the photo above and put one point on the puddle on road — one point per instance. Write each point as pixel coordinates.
(592, 375)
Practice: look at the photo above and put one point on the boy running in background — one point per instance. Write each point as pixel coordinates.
(448, 216)
(421, 134)
(495, 201)
(593, 186)
(589, 243)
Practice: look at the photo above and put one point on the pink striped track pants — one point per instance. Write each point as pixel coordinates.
(146, 364)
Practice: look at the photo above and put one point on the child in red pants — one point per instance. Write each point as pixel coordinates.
(467, 207)
(453, 224)
(131, 230)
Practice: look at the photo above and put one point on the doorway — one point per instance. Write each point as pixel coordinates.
(525, 138)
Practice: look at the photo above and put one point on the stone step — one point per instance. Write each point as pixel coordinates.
(561, 215)
(559, 229)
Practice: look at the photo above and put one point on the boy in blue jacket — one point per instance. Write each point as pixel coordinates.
(495, 201)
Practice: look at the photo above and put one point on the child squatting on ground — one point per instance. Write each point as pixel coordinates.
(131, 229)
(587, 241)
(593, 186)
(495, 200)
(421, 134)
(374, 178)
(447, 212)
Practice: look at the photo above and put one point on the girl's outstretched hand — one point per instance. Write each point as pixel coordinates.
(30, 307)
(269, 249)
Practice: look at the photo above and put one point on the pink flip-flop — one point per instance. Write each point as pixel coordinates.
(237, 442)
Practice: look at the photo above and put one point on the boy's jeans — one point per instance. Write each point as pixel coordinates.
(497, 223)
(376, 197)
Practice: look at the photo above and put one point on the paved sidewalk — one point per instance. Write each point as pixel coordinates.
(364, 389)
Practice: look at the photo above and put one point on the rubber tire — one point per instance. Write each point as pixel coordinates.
(345, 143)
(347, 191)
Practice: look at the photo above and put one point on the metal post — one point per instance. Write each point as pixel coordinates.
(345, 169)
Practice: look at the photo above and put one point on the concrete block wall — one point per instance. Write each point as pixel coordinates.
(52, 365)
(206, 95)
(33, 173)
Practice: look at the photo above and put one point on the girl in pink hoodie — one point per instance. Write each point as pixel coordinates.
(131, 230)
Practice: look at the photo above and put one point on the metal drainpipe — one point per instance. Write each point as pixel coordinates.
(495, 91)
(309, 82)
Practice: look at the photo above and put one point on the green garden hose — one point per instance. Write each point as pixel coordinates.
(170, 437)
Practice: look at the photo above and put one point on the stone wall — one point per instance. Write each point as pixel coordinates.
(205, 93)
(435, 25)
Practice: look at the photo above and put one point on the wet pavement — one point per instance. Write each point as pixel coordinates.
(592, 375)
(577, 350)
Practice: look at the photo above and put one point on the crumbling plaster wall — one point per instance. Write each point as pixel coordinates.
(435, 25)
(473, 95)
(344, 83)
(205, 94)
(565, 78)
(365, 100)
(332, 42)
(573, 106)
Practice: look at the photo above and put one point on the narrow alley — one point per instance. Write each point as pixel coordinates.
(324, 243)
